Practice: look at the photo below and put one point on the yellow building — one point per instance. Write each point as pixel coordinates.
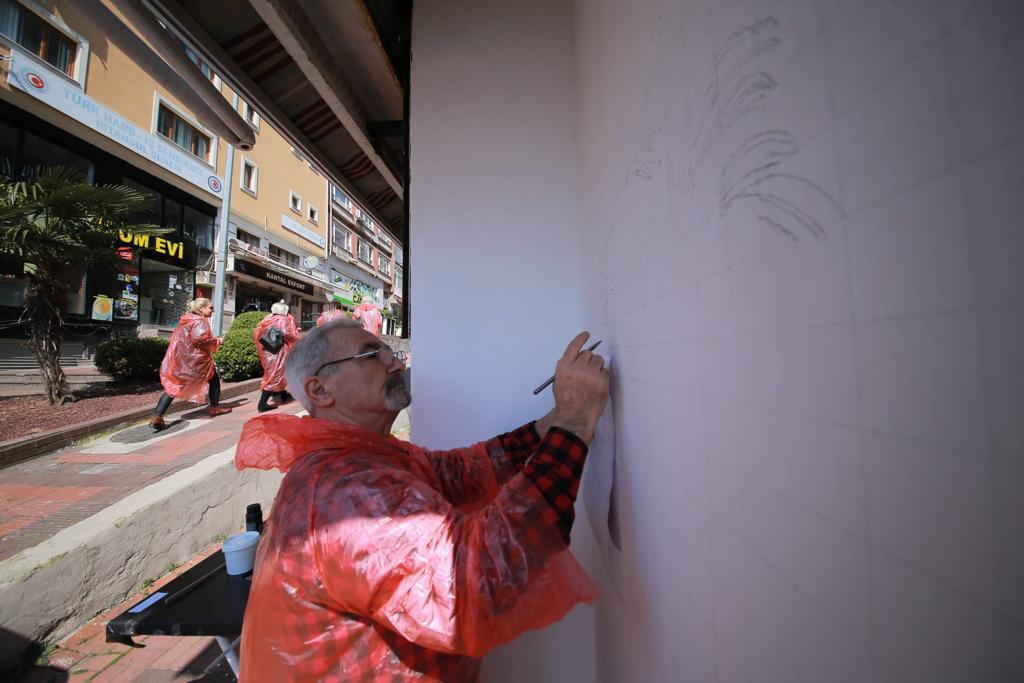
(71, 96)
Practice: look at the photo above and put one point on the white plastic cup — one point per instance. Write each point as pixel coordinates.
(240, 552)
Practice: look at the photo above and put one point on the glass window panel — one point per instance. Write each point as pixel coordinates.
(40, 152)
(182, 133)
(8, 149)
(150, 214)
(172, 215)
(199, 227)
(37, 36)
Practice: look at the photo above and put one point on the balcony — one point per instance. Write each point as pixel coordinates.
(342, 253)
(384, 243)
(341, 201)
(265, 256)
(365, 226)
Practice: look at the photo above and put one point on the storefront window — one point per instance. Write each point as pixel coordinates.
(42, 153)
(199, 228)
(12, 292)
(126, 290)
(149, 214)
(76, 297)
(172, 215)
(166, 291)
(8, 149)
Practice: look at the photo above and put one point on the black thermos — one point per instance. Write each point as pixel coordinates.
(254, 518)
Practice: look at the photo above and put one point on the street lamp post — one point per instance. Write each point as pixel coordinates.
(220, 283)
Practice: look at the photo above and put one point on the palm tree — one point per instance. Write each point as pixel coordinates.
(59, 224)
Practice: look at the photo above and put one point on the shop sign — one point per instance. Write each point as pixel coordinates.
(272, 276)
(351, 287)
(31, 77)
(160, 245)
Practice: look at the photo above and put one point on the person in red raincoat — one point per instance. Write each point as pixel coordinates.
(187, 369)
(274, 383)
(385, 561)
(335, 312)
(371, 317)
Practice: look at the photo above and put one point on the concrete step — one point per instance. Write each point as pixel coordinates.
(15, 354)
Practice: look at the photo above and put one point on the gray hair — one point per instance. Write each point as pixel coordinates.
(280, 308)
(309, 353)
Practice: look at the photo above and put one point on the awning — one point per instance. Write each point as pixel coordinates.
(343, 301)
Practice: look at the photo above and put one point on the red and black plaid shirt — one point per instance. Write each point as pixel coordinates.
(388, 562)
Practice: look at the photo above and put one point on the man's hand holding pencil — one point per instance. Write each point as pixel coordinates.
(581, 390)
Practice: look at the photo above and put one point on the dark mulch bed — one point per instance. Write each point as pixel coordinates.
(24, 415)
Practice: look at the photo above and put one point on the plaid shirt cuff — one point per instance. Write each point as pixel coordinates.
(520, 444)
(556, 470)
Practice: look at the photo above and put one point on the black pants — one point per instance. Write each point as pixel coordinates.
(281, 396)
(165, 401)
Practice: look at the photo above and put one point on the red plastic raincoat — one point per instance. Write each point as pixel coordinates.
(371, 317)
(187, 366)
(328, 316)
(273, 363)
(385, 561)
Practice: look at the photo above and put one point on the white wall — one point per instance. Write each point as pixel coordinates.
(799, 235)
(495, 246)
(823, 436)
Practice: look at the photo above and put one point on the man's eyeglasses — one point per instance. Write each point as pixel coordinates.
(384, 354)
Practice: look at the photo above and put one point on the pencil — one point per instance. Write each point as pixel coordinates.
(544, 386)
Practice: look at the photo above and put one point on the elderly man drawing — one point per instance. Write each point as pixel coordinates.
(383, 560)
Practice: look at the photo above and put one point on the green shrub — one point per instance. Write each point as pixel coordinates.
(130, 359)
(237, 358)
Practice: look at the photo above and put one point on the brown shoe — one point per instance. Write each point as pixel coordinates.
(214, 411)
(157, 423)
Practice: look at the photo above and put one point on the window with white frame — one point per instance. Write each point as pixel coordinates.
(40, 34)
(364, 220)
(285, 257)
(341, 199)
(342, 237)
(251, 116)
(365, 253)
(383, 264)
(172, 126)
(200, 64)
(313, 213)
(250, 176)
(295, 202)
(246, 238)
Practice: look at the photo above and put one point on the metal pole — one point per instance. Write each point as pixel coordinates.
(221, 281)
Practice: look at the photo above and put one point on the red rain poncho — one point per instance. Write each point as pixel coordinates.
(273, 363)
(187, 366)
(371, 317)
(328, 316)
(385, 561)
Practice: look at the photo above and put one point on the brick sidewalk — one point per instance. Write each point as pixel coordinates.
(86, 656)
(41, 496)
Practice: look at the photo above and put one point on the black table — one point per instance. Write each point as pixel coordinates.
(214, 607)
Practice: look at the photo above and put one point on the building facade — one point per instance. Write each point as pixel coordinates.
(69, 96)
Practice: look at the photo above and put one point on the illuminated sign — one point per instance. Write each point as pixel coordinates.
(155, 243)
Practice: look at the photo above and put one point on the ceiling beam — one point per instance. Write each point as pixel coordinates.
(296, 33)
(182, 23)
